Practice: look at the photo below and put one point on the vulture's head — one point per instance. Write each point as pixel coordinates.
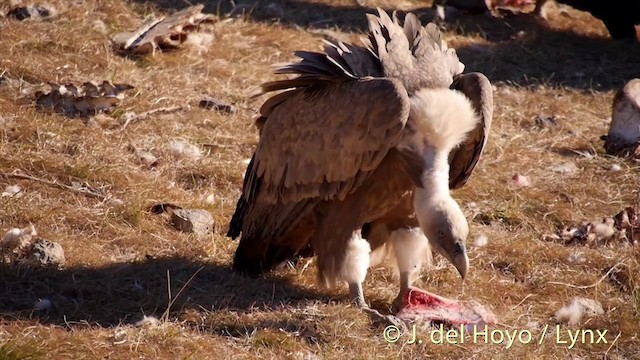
(445, 225)
(442, 118)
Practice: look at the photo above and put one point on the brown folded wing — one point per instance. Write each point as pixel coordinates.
(318, 144)
(464, 159)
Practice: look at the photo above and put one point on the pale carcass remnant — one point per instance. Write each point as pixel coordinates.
(219, 105)
(623, 138)
(429, 309)
(88, 98)
(166, 32)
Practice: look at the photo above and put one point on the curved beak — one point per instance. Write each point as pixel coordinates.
(456, 254)
(461, 260)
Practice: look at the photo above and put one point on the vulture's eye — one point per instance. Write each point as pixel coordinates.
(441, 233)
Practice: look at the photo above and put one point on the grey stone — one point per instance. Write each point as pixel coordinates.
(195, 221)
(46, 253)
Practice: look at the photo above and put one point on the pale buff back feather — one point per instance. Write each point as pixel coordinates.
(411, 53)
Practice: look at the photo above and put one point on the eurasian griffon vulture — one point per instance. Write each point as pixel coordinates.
(367, 136)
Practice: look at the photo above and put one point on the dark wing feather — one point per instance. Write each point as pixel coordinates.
(319, 144)
(464, 159)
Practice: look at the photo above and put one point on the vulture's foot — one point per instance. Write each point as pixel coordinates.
(357, 299)
(400, 300)
(398, 303)
(385, 320)
(357, 296)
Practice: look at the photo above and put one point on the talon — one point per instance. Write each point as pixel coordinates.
(378, 318)
(397, 303)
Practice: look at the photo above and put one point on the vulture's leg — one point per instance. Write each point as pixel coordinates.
(410, 248)
(354, 273)
(354, 270)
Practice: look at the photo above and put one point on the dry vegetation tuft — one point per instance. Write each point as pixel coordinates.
(125, 263)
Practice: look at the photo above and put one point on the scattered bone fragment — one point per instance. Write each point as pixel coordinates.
(86, 99)
(623, 228)
(32, 12)
(565, 168)
(167, 32)
(219, 105)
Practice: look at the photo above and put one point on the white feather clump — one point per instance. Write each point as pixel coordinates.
(185, 150)
(576, 258)
(577, 309)
(148, 321)
(481, 241)
(208, 199)
(12, 191)
(16, 239)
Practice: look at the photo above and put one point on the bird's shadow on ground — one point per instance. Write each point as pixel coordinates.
(122, 293)
(519, 50)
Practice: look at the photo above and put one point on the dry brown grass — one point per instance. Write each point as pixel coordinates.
(123, 262)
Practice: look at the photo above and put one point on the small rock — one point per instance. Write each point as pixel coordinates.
(219, 105)
(42, 305)
(196, 221)
(45, 253)
(577, 309)
(566, 168)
